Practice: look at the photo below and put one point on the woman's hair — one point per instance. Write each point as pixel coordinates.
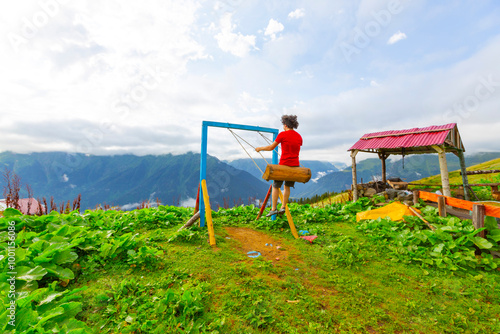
(290, 121)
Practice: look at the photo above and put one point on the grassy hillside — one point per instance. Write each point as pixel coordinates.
(456, 178)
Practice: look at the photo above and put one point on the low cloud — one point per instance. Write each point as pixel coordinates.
(297, 14)
(399, 36)
(273, 27)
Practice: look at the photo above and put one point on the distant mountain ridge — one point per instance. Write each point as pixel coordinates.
(128, 180)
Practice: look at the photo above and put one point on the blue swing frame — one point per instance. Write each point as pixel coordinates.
(203, 158)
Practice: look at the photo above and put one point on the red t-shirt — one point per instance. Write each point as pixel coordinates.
(290, 142)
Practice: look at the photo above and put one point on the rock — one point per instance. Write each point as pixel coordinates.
(391, 193)
(370, 192)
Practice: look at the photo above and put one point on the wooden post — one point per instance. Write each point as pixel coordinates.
(264, 203)
(465, 179)
(478, 213)
(445, 179)
(289, 217)
(191, 221)
(442, 206)
(416, 196)
(383, 157)
(208, 213)
(197, 205)
(354, 176)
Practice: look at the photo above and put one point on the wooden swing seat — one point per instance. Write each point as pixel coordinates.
(286, 173)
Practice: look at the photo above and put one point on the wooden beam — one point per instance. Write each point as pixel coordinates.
(474, 172)
(465, 179)
(289, 217)
(354, 176)
(445, 178)
(208, 213)
(264, 203)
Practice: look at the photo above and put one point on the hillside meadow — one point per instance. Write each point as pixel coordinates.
(134, 272)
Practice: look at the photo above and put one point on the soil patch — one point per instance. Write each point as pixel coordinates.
(253, 241)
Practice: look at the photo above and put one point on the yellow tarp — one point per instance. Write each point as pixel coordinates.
(395, 211)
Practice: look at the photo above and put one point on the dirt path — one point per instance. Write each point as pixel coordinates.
(258, 243)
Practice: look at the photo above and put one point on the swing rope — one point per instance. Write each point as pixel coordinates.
(269, 142)
(236, 137)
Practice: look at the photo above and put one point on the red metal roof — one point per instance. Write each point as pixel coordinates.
(416, 137)
(23, 204)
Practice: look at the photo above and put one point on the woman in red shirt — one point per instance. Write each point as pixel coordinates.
(290, 141)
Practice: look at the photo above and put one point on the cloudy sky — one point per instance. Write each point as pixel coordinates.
(115, 77)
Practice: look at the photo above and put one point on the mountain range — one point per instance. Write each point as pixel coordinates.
(128, 180)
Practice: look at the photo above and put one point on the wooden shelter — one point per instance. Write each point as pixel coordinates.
(439, 139)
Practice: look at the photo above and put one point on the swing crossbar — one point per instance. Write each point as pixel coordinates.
(286, 173)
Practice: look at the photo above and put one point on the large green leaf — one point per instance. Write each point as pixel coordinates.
(48, 254)
(482, 243)
(490, 223)
(65, 257)
(494, 235)
(11, 212)
(30, 274)
(60, 272)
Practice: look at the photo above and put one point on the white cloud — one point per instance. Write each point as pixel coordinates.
(235, 43)
(297, 14)
(273, 27)
(399, 36)
(253, 104)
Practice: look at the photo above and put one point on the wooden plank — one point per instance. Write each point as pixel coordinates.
(459, 203)
(286, 173)
(492, 211)
(420, 216)
(427, 196)
(475, 172)
(208, 213)
(478, 213)
(289, 217)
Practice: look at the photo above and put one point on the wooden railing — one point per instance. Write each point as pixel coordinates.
(479, 211)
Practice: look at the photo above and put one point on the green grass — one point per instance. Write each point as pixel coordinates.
(314, 292)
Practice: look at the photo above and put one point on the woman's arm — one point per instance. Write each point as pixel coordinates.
(266, 148)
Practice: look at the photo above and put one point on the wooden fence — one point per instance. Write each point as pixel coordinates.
(479, 211)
